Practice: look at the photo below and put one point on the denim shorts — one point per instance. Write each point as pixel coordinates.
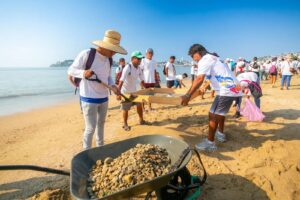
(221, 105)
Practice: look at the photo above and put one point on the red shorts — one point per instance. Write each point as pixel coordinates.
(149, 85)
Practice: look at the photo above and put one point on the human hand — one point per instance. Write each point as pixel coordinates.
(116, 90)
(185, 100)
(88, 73)
(119, 98)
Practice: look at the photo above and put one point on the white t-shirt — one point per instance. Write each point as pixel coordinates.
(221, 77)
(119, 69)
(171, 71)
(129, 77)
(101, 67)
(240, 66)
(252, 69)
(268, 67)
(148, 67)
(247, 76)
(285, 67)
(179, 77)
(296, 64)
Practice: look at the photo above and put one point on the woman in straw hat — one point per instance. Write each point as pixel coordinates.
(94, 96)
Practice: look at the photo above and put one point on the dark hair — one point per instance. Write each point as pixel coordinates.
(197, 48)
(274, 59)
(215, 54)
(255, 58)
(122, 60)
(185, 74)
(172, 57)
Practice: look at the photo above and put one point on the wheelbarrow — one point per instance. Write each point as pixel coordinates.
(81, 164)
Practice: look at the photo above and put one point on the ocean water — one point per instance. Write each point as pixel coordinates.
(23, 89)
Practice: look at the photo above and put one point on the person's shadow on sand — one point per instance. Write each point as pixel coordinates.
(221, 186)
(231, 187)
(27, 188)
(239, 136)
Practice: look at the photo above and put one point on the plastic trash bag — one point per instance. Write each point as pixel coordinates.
(251, 112)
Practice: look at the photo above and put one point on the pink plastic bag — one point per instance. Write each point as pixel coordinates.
(251, 111)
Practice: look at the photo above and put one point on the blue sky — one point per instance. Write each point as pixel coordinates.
(38, 33)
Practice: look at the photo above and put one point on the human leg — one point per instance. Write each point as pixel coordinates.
(90, 119)
(283, 78)
(288, 81)
(102, 112)
(139, 110)
(125, 107)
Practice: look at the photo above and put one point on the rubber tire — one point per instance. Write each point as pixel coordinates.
(164, 194)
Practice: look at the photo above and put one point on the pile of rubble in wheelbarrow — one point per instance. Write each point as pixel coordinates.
(137, 165)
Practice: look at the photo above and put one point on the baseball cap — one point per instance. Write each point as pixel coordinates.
(137, 54)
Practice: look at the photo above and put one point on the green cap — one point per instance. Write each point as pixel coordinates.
(137, 54)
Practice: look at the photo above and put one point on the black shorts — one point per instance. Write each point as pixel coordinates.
(170, 84)
(149, 85)
(221, 105)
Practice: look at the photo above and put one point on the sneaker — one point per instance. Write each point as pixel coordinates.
(220, 137)
(206, 145)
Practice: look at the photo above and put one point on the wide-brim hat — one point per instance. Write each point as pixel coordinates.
(111, 41)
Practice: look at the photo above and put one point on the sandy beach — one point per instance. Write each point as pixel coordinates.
(259, 161)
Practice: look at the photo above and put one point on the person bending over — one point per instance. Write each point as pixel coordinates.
(226, 87)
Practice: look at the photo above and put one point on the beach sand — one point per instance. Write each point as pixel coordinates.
(259, 161)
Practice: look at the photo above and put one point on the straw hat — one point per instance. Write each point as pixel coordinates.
(111, 41)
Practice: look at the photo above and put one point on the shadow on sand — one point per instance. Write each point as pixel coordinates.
(239, 136)
(27, 188)
(233, 187)
(221, 186)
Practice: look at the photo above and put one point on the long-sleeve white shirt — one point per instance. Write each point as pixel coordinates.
(101, 67)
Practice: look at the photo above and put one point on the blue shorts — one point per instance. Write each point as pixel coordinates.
(221, 105)
(176, 83)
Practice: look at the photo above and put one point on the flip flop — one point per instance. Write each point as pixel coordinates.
(126, 128)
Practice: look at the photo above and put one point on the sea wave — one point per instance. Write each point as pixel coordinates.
(11, 96)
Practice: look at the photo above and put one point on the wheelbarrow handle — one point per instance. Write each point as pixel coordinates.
(184, 154)
(34, 168)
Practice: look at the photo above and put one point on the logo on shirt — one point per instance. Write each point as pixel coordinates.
(228, 83)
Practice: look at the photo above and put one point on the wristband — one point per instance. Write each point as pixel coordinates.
(188, 95)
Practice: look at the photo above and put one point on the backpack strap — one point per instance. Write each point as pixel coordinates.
(129, 69)
(90, 59)
(110, 62)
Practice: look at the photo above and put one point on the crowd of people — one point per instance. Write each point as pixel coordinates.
(228, 80)
(283, 67)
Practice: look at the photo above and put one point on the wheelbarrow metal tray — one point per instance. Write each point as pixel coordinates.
(83, 162)
(164, 95)
(157, 95)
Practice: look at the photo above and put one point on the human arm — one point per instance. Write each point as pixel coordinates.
(77, 69)
(181, 83)
(71, 79)
(195, 86)
(141, 77)
(204, 68)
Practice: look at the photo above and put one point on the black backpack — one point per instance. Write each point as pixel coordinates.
(254, 88)
(88, 65)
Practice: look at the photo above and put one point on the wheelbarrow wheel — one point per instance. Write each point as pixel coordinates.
(176, 189)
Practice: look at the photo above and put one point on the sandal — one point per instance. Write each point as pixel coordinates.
(126, 128)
